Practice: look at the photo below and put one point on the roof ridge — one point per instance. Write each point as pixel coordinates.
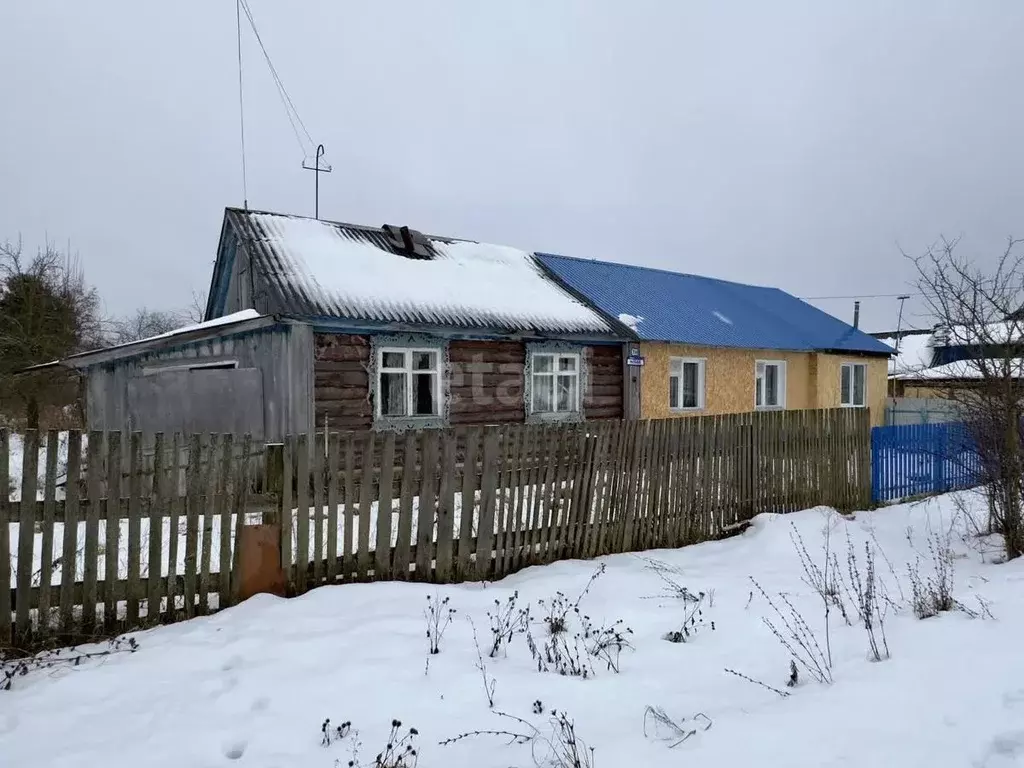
(359, 227)
(660, 270)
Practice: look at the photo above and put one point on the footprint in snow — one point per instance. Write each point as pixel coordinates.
(1006, 750)
(233, 750)
(260, 704)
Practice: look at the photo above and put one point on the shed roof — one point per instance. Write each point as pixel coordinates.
(237, 322)
(327, 269)
(689, 309)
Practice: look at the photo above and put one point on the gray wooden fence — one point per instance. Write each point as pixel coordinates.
(110, 549)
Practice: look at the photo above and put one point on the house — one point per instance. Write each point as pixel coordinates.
(932, 364)
(710, 346)
(318, 324)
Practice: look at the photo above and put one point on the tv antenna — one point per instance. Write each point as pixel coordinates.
(302, 136)
(317, 166)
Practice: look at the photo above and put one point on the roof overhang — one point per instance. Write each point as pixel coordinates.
(167, 341)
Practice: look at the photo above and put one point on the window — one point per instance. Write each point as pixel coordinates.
(853, 385)
(408, 382)
(555, 383)
(770, 384)
(686, 384)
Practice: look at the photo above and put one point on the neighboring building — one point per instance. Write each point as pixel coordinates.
(711, 346)
(933, 363)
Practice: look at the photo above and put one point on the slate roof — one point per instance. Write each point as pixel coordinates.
(325, 269)
(703, 311)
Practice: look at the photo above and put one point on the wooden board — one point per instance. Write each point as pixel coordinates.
(135, 591)
(403, 540)
(193, 481)
(6, 626)
(365, 507)
(446, 508)
(26, 531)
(468, 508)
(427, 505)
(223, 511)
(302, 514)
(488, 488)
(318, 517)
(208, 487)
(69, 550)
(382, 549)
(46, 552)
(333, 499)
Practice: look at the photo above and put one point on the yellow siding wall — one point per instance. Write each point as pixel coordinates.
(812, 379)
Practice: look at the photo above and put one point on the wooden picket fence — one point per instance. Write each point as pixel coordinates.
(437, 505)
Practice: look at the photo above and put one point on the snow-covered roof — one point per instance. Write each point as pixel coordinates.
(245, 316)
(326, 269)
(914, 353)
(963, 369)
(234, 317)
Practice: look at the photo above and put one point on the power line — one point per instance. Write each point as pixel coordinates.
(862, 296)
(241, 103)
(282, 92)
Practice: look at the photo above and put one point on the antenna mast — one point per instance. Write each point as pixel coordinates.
(317, 167)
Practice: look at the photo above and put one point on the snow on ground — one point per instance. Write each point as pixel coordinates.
(251, 685)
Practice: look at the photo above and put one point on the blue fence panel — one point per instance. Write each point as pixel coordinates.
(918, 459)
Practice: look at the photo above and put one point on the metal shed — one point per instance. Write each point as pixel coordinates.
(241, 373)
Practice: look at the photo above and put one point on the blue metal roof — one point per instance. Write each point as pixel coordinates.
(688, 309)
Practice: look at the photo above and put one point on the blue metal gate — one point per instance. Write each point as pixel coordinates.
(920, 459)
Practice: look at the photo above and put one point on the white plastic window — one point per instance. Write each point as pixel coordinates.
(770, 384)
(408, 382)
(686, 384)
(555, 384)
(853, 379)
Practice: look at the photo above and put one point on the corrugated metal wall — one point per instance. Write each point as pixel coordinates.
(269, 393)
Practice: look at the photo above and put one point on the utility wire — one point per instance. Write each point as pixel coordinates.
(862, 296)
(282, 92)
(241, 103)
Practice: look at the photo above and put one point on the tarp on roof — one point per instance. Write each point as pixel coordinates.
(326, 269)
(703, 311)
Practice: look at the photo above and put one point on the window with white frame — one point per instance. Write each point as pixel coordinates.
(408, 382)
(555, 382)
(770, 384)
(853, 384)
(686, 384)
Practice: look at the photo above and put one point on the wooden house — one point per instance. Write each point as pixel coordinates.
(314, 324)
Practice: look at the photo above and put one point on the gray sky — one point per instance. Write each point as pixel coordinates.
(796, 144)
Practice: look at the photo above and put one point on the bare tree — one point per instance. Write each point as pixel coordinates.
(981, 313)
(141, 325)
(46, 312)
(195, 312)
(150, 322)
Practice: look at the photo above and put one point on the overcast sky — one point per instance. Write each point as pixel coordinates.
(795, 144)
